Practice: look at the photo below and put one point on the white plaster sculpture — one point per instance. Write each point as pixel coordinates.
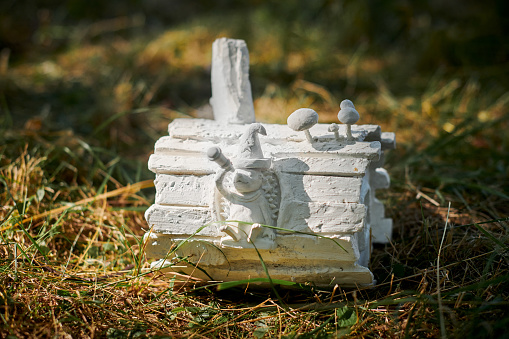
(305, 204)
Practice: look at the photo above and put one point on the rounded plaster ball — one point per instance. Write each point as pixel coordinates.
(302, 119)
(348, 115)
(333, 127)
(346, 103)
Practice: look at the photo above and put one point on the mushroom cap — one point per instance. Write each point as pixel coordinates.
(302, 119)
(333, 127)
(346, 103)
(348, 115)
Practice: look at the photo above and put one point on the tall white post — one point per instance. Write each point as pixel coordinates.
(231, 101)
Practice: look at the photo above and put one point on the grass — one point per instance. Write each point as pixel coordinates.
(82, 107)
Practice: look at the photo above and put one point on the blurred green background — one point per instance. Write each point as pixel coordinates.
(114, 73)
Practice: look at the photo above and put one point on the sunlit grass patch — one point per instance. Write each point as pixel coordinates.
(178, 50)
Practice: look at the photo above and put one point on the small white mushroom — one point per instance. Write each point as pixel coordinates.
(334, 128)
(346, 103)
(302, 120)
(349, 116)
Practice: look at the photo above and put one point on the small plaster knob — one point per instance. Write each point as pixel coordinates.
(230, 231)
(215, 154)
(346, 103)
(254, 232)
(302, 120)
(334, 128)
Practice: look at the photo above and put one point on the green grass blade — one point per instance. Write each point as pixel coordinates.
(34, 243)
(491, 237)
